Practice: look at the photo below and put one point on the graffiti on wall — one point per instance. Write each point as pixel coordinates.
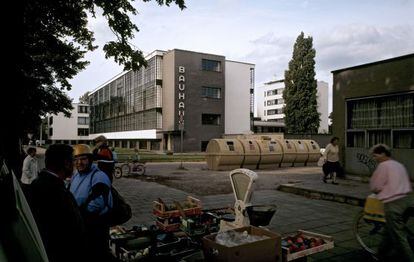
(367, 161)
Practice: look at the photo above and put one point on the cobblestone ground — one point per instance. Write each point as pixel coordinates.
(293, 212)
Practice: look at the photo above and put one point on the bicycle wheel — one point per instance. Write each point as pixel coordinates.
(138, 169)
(117, 172)
(125, 169)
(368, 233)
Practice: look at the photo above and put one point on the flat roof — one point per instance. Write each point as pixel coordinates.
(375, 63)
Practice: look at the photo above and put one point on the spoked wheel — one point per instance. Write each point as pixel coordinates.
(118, 172)
(138, 169)
(369, 234)
(125, 169)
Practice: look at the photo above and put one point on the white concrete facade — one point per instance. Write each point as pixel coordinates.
(68, 128)
(323, 106)
(269, 103)
(239, 80)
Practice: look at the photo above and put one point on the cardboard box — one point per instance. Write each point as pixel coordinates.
(329, 244)
(262, 250)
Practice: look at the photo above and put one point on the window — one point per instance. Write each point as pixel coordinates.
(403, 139)
(356, 139)
(210, 119)
(379, 137)
(50, 120)
(272, 92)
(211, 92)
(211, 65)
(204, 146)
(274, 112)
(82, 109)
(272, 102)
(83, 131)
(50, 131)
(230, 144)
(83, 120)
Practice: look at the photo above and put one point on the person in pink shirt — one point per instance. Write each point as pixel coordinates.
(391, 183)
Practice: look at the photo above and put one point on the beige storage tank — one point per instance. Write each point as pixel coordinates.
(251, 153)
(302, 152)
(314, 151)
(289, 152)
(271, 154)
(224, 154)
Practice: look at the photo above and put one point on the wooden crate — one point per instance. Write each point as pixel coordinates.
(160, 210)
(329, 244)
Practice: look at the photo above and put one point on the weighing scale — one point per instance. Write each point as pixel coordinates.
(242, 181)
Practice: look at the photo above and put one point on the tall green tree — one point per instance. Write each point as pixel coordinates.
(54, 38)
(301, 115)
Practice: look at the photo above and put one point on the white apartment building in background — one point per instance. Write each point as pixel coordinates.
(269, 103)
(70, 130)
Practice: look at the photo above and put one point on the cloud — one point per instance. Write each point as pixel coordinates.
(352, 45)
(339, 47)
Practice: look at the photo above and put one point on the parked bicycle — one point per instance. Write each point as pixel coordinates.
(369, 226)
(133, 167)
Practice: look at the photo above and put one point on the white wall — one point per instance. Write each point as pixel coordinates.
(65, 128)
(237, 98)
(323, 104)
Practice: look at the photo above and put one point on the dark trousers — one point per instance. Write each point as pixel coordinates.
(330, 167)
(395, 245)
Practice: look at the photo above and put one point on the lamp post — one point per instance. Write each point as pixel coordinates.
(181, 144)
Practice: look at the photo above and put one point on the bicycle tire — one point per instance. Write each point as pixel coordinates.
(125, 169)
(138, 169)
(368, 234)
(117, 172)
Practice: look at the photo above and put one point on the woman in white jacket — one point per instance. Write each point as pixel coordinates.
(30, 167)
(332, 165)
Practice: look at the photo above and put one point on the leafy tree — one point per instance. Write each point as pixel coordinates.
(54, 42)
(301, 115)
(84, 99)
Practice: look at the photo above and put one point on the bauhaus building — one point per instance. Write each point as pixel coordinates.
(202, 96)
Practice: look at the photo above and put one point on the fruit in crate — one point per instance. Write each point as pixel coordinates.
(299, 242)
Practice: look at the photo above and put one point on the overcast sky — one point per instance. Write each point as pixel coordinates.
(345, 33)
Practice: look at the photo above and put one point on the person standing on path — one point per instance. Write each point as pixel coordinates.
(92, 190)
(332, 165)
(55, 210)
(391, 183)
(30, 168)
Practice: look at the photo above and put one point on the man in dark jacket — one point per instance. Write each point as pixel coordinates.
(55, 209)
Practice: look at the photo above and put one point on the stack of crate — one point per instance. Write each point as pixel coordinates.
(168, 217)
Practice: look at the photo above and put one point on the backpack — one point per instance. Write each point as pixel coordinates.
(119, 213)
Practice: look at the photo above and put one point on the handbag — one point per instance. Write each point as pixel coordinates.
(120, 211)
(321, 161)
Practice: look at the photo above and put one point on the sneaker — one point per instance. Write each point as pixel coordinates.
(324, 180)
(335, 183)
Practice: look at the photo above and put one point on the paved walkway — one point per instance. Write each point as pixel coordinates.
(294, 211)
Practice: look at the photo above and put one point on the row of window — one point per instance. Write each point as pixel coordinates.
(81, 132)
(211, 65)
(273, 92)
(386, 119)
(274, 102)
(393, 138)
(83, 109)
(83, 120)
(271, 112)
